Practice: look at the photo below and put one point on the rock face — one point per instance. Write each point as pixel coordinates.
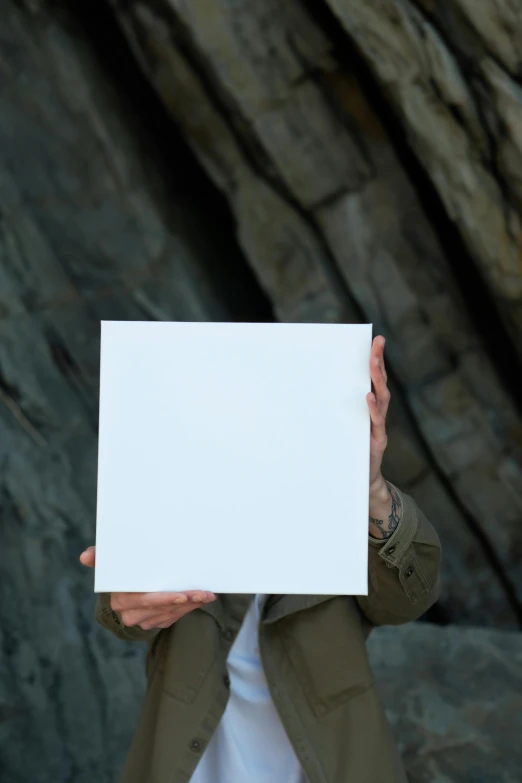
(356, 184)
(321, 162)
(454, 698)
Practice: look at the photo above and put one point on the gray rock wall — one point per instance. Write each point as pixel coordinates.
(87, 232)
(338, 202)
(287, 123)
(453, 696)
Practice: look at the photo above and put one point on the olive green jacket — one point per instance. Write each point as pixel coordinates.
(314, 655)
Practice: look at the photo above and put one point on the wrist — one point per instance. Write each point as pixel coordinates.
(379, 492)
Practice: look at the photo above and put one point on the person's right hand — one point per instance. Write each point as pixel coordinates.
(151, 610)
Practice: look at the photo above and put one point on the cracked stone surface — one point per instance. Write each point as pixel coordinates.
(454, 698)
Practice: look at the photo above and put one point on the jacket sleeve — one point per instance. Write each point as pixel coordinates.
(112, 621)
(404, 570)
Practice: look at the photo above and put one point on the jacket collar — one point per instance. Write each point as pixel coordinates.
(273, 607)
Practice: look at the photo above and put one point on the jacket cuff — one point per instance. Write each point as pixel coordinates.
(398, 551)
(392, 549)
(105, 612)
(111, 620)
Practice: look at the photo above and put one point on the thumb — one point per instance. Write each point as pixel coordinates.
(88, 558)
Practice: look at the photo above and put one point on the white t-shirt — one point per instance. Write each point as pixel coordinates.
(250, 744)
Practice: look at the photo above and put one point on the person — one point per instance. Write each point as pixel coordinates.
(279, 688)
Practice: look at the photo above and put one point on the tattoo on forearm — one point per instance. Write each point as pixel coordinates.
(388, 528)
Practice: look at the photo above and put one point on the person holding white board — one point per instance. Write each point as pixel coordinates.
(278, 688)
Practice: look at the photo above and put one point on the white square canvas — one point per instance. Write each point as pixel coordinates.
(233, 457)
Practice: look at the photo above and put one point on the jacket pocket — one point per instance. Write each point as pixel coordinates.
(188, 654)
(326, 648)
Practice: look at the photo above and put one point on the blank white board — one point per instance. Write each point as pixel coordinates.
(233, 457)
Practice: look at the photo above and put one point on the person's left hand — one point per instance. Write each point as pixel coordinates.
(378, 400)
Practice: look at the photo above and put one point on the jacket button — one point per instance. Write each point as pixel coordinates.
(391, 550)
(409, 572)
(228, 633)
(195, 745)
(226, 680)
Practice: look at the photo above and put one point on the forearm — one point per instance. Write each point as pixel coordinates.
(385, 510)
